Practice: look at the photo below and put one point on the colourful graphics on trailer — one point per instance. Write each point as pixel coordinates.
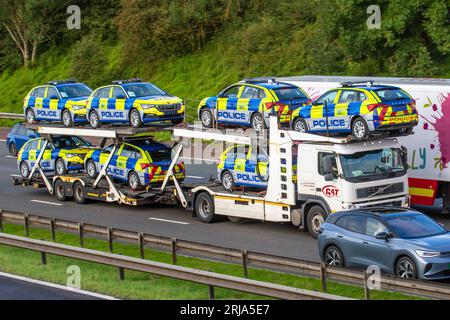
(134, 102)
(62, 101)
(137, 162)
(63, 154)
(359, 109)
(249, 103)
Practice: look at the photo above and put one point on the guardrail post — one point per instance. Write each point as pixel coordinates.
(121, 274)
(141, 245)
(81, 233)
(173, 242)
(52, 229)
(212, 295)
(110, 239)
(43, 258)
(366, 286)
(323, 275)
(26, 222)
(1, 220)
(244, 262)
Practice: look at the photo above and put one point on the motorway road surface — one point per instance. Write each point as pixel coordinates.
(272, 238)
(16, 289)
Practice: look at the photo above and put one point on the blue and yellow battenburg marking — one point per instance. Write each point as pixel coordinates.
(337, 117)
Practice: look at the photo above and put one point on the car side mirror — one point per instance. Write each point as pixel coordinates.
(383, 236)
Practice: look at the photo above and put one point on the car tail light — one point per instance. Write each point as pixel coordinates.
(372, 107)
(145, 166)
(308, 102)
(412, 104)
(269, 105)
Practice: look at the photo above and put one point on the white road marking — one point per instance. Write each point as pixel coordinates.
(2, 140)
(195, 177)
(12, 157)
(170, 221)
(57, 286)
(46, 202)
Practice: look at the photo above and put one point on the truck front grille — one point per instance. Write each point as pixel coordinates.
(380, 190)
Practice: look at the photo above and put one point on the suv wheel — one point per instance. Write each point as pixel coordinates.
(334, 257)
(257, 122)
(60, 167)
(406, 268)
(31, 119)
(299, 125)
(135, 119)
(228, 180)
(24, 169)
(67, 118)
(360, 130)
(94, 119)
(206, 118)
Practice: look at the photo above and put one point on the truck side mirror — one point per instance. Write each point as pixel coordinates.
(404, 153)
(329, 177)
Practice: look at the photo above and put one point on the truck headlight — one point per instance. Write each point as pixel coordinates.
(147, 106)
(428, 254)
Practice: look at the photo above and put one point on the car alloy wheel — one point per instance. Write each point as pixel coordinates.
(206, 118)
(133, 181)
(359, 129)
(93, 119)
(13, 149)
(300, 126)
(406, 268)
(257, 122)
(67, 118)
(333, 257)
(24, 170)
(91, 169)
(60, 167)
(135, 119)
(227, 181)
(30, 117)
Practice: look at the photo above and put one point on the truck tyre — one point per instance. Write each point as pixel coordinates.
(204, 208)
(60, 190)
(79, 193)
(206, 117)
(135, 119)
(60, 167)
(299, 125)
(360, 130)
(227, 180)
(333, 257)
(66, 118)
(94, 119)
(315, 218)
(257, 121)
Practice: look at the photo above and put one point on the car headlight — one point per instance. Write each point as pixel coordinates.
(73, 155)
(147, 106)
(428, 254)
(76, 107)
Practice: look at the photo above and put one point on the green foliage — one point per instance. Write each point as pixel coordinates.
(89, 61)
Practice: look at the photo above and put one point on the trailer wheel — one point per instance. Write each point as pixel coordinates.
(79, 193)
(315, 219)
(60, 190)
(204, 207)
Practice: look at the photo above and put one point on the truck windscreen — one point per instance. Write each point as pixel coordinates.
(372, 165)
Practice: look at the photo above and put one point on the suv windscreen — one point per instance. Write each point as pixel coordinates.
(74, 91)
(289, 93)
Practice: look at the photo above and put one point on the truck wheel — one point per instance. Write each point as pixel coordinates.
(360, 130)
(316, 217)
(135, 119)
(79, 193)
(13, 149)
(60, 190)
(257, 121)
(91, 169)
(299, 125)
(67, 118)
(204, 207)
(24, 169)
(94, 119)
(60, 167)
(29, 115)
(228, 180)
(206, 118)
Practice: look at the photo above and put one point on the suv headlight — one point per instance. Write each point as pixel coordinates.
(77, 107)
(428, 254)
(148, 106)
(73, 155)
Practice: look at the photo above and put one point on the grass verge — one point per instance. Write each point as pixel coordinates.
(138, 285)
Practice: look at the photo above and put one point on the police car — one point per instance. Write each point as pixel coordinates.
(137, 162)
(134, 102)
(360, 109)
(62, 100)
(250, 102)
(63, 154)
(245, 166)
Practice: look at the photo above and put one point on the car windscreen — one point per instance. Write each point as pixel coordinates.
(74, 91)
(137, 90)
(412, 226)
(69, 142)
(391, 94)
(288, 93)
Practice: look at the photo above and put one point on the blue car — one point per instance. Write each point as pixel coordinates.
(400, 241)
(17, 137)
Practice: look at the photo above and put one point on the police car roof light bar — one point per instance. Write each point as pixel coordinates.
(260, 79)
(355, 83)
(56, 82)
(127, 81)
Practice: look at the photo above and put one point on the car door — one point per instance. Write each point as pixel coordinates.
(49, 157)
(341, 119)
(106, 151)
(227, 105)
(39, 104)
(351, 237)
(377, 252)
(239, 170)
(117, 101)
(321, 110)
(103, 102)
(248, 102)
(257, 167)
(20, 136)
(52, 97)
(126, 161)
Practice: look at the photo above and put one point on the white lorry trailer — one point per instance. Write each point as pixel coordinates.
(332, 175)
(428, 148)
